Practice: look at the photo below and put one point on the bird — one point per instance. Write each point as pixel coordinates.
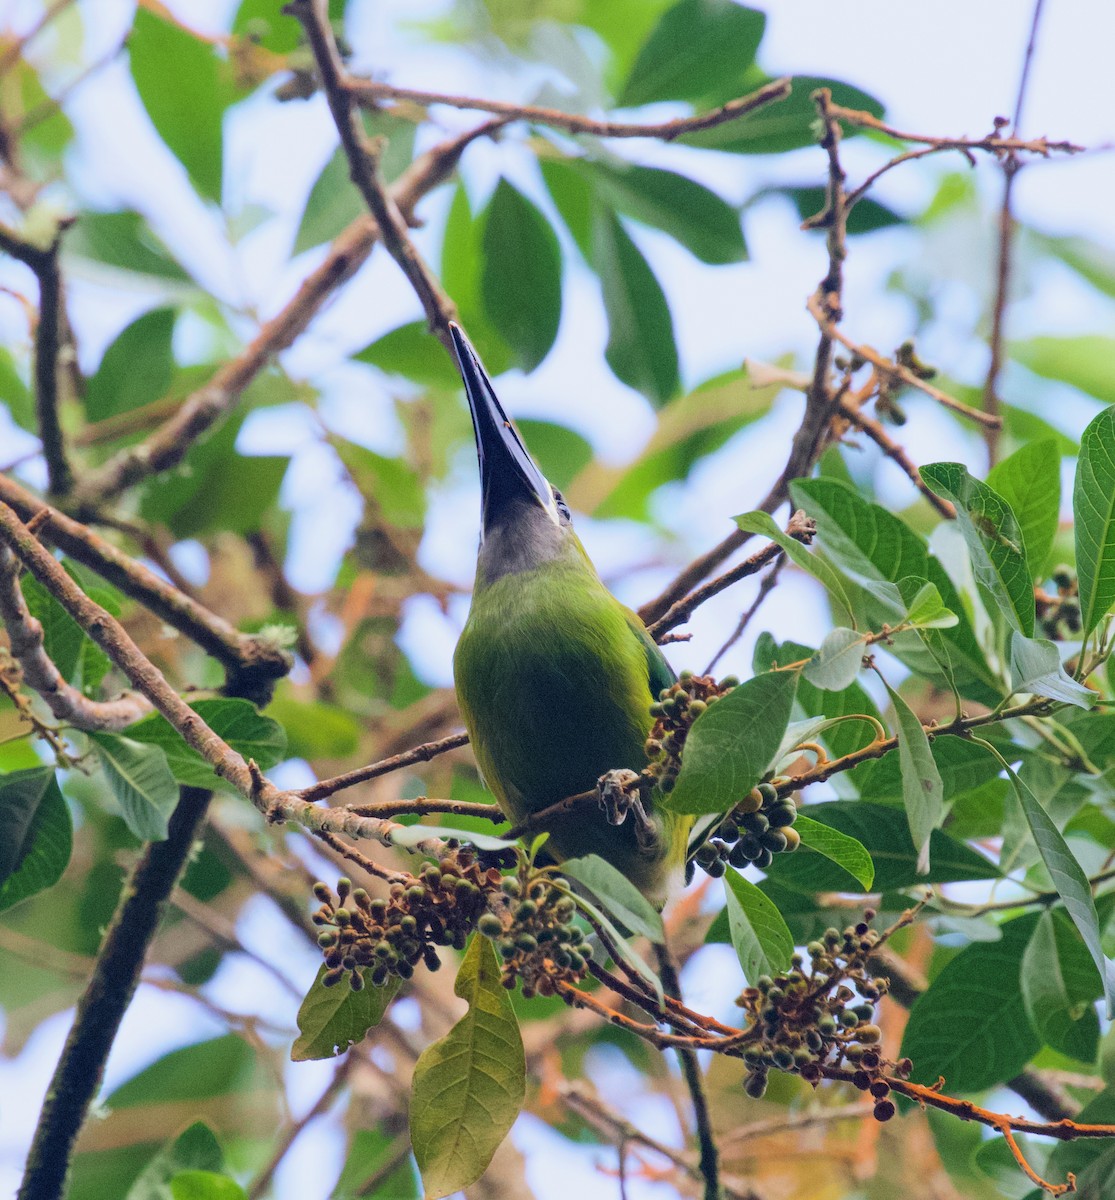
(554, 676)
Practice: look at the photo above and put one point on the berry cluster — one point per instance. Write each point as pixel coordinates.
(821, 1015)
(676, 708)
(760, 826)
(371, 940)
(535, 936)
(1060, 614)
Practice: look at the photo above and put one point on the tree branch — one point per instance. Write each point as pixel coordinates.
(106, 998)
(423, 753)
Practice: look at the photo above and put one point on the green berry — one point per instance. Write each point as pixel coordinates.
(490, 925)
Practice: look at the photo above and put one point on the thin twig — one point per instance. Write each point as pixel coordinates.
(328, 787)
(370, 92)
(1011, 164)
(766, 585)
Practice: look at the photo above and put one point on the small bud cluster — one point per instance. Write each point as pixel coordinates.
(760, 826)
(1060, 614)
(676, 708)
(371, 940)
(535, 936)
(821, 1015)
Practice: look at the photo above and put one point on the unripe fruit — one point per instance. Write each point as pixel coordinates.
(869, 1034)
(755, 1085)
(793, 838)
(751, 803)
(768, 792)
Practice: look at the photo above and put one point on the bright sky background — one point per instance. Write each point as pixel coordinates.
(943, 68)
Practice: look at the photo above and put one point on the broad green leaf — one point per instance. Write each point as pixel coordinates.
(391, 484)
(136, 368)
(63, 637)
(1084, 1156)
(970, 1024)
(520, 278)
(1069, 880)
(368, 1154)
(618, 895)
(963, 764)
(122, 240)
(884, 832)
(141, 781)
(334, 200)
(562, 453)
(36, 834)
(928, 611)
(993, 538)
(786, 125)
(759, 933)
(698, 48)
(700, 220)
(731, 745)
(185, 88)
(838, 847)
(194, 1149)
(331, 1020)
(641, 349)
(413, 352)
(267, 25)
(313, 728)
(469, 1086)
(1093, 504)
(922, 790)
(235, 721)
(572, 194)
(1035, 666)
(1082, 362)
(866, 215)
(1059, 989)
(1029, 480)
(837, 662)
(205, 1185)
(192, 1074)
(764, 524)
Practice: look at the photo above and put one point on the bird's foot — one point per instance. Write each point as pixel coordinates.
(621, 797)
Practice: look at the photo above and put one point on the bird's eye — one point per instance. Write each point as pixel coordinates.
(562, 507)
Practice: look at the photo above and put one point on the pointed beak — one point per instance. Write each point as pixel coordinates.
(508, 474)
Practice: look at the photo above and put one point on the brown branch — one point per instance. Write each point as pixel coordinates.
(423, 753)
(370, 92)
(1011, 164)
(426, 806)
(252, 664)
(168, 445)
(106, 998)
(44, 263)
(66, 702)
(363, 161)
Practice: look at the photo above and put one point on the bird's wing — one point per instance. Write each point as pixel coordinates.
(660, 673)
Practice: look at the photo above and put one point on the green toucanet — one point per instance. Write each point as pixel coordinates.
(555, 677)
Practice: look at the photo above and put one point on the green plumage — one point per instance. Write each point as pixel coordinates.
(555, 679)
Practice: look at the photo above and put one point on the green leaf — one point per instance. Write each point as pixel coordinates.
(641, 350)
(313, 728)
(469, 1086)
(368, 1154)
(759, 934)
(993, 538)
(236, 721)
(562, 453)
(1061, 1011)
(1035, 666)
(928, 611)
(866, 215)
(332, 1019)
(205, 1185)
(194, 1149)
(141, 782)
(838, 847)
(1082, 362)
(136, 368)
(765, 525)
(125, 241)
(1029, 480)
(520, 278)
(413, 352)
(884, 832)
(267, 25)
(1093, 505)
(62, 635)
(786, 125)
(618, 895)
(730, 746)
(1069, 880)
(922, 790)
(970, 1024)
(698, 48)
(838, 661)
(700, 220)
(185, 89)
(36, 834)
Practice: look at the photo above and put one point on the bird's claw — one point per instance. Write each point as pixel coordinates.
(621, 796)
